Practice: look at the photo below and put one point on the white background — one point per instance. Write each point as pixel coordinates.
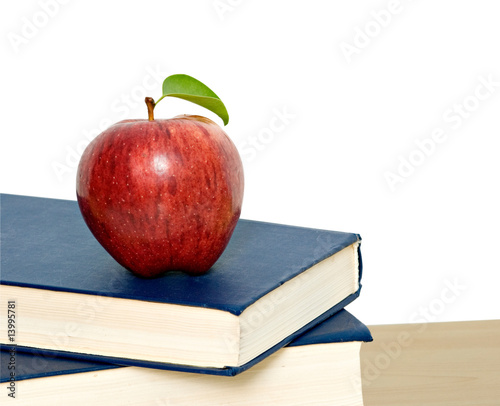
(358, 86)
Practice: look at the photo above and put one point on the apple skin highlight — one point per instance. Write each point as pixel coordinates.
(162, 195)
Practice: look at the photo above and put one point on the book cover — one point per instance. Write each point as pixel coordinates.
(322, 365)
(46, 248)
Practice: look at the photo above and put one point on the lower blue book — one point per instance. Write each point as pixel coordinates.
(321, 367)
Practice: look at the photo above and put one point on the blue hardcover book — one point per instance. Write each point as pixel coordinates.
(272, 283)
(320, 367)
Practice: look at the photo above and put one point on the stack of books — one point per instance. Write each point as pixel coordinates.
(265, 326)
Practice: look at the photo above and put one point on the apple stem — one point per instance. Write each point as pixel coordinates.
(151, 105)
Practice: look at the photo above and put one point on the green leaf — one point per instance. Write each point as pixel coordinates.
(188, 88)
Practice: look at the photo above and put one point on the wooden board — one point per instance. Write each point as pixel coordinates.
(455, 363)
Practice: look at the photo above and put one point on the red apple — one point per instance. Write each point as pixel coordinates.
(162, 195)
